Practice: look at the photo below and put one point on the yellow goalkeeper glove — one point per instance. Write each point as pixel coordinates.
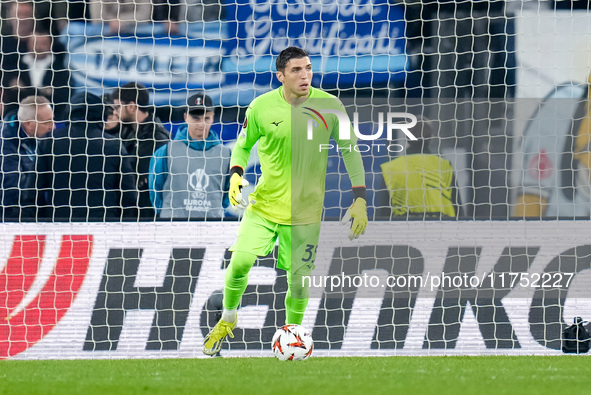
(357, 214)
(236, 184)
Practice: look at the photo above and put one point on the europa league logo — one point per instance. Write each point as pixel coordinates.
(199, 181)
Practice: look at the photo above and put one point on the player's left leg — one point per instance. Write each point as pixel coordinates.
(297, 252)
(296, 303)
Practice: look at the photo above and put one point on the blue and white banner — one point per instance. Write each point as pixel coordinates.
(351, 43)
(170, 66)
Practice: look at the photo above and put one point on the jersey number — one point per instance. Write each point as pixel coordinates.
(311, 251)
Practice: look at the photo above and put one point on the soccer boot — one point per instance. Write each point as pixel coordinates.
(214, 339)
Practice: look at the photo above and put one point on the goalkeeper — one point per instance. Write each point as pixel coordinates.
(288, 199)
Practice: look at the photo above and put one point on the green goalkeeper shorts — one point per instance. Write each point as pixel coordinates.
(297, 243)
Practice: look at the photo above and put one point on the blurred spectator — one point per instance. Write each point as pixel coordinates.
(21, 131)
(189, 176)
(76, 10)
(84, 174)
(52, 16)
(121, 16)
(171, 12)
(202, 10)
(11, 97)
(45, 14)
(142, 134)
(167, 12)
(124, 16)
(40, 67)
(22, 25)
(421, 184)
(21, 15)
(20, 46)
(112, 121)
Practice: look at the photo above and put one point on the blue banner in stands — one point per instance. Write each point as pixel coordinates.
(351, 44)
(172, 67)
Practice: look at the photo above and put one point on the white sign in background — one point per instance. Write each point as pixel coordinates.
(432, 239)
(552, 48)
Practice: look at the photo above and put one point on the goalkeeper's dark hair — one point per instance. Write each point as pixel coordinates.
(288, 54)
(134, 92)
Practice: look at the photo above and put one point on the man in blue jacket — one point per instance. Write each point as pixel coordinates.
(21, 131)
(189, 176)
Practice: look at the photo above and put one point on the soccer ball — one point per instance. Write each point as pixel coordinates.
(292, 343)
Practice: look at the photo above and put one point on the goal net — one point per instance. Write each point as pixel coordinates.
(471, 120)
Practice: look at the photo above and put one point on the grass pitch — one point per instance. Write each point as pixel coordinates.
(392, 375)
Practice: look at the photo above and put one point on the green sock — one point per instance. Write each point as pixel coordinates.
(296, 301)
(236, 278)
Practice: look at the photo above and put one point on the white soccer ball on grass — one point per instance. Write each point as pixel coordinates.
(292, 343)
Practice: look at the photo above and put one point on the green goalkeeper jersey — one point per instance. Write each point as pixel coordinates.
(293, 161)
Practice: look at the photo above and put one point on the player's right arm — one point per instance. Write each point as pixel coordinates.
(247, 138)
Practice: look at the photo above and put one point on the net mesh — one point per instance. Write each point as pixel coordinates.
(100, 175)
